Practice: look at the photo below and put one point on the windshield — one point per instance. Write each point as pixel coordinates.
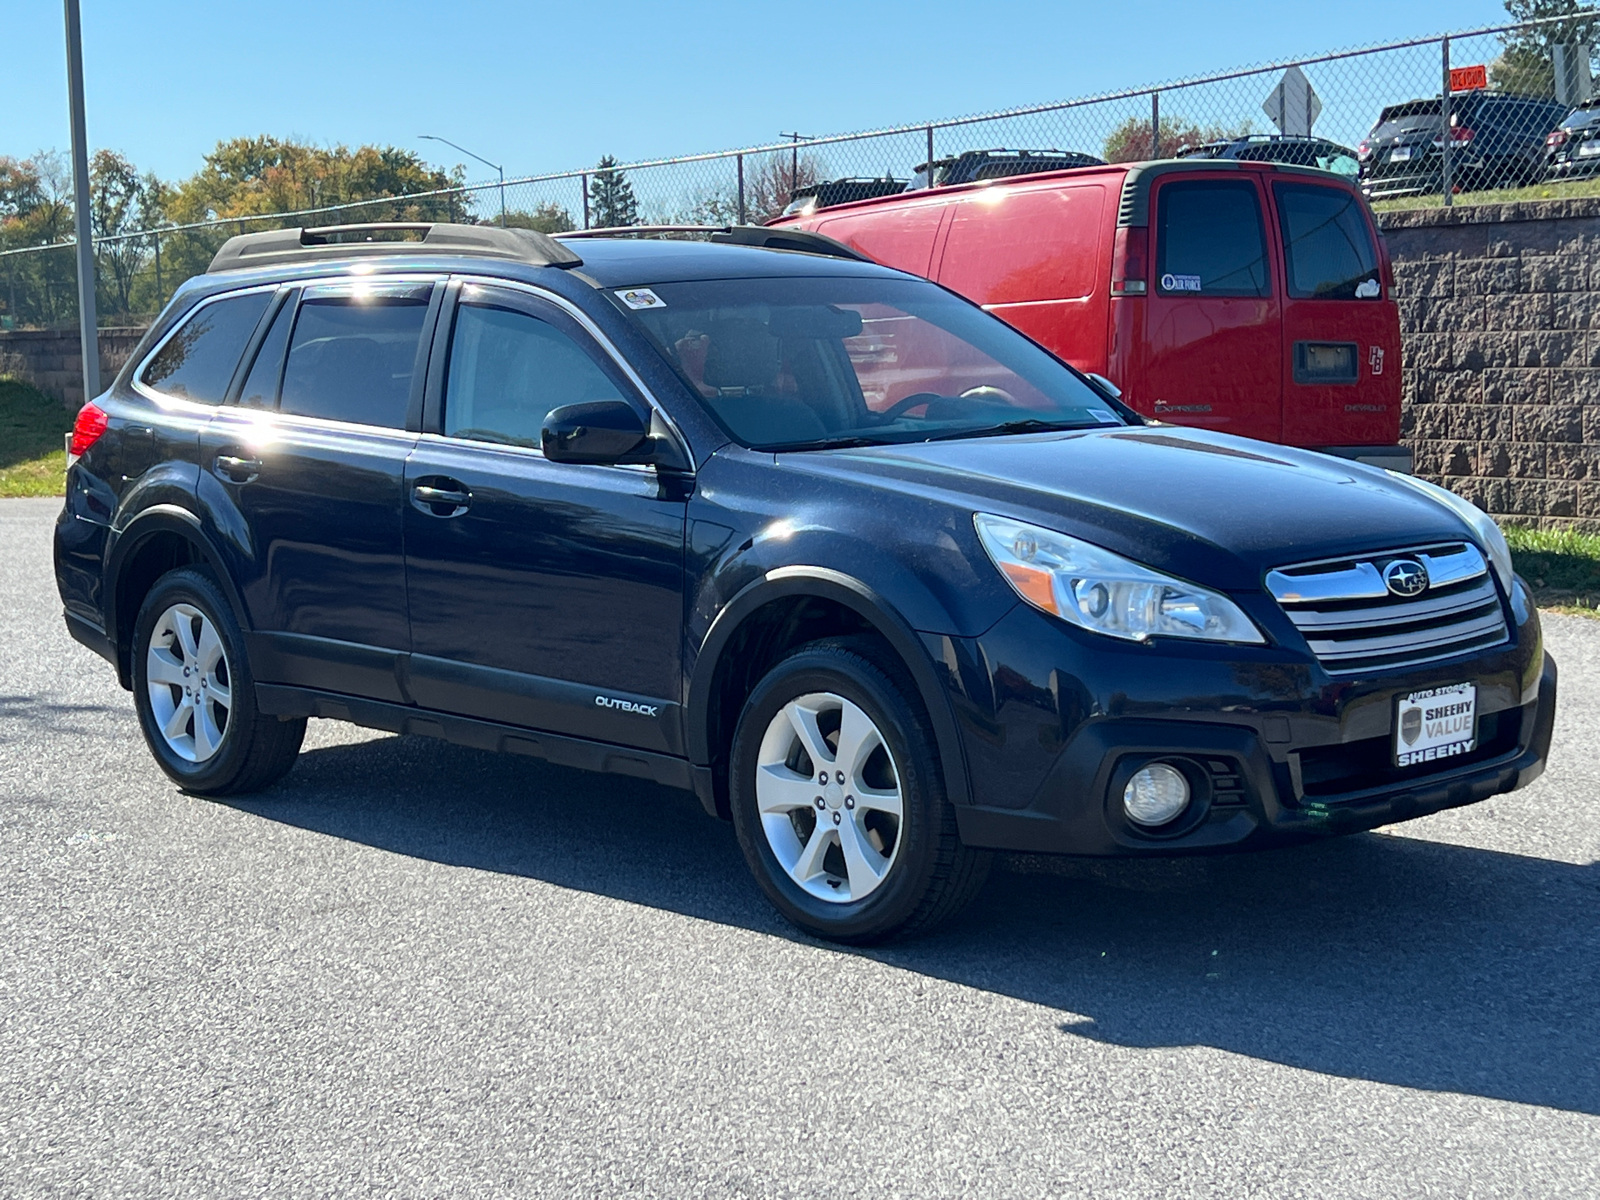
(808, 363)
(1414, 117)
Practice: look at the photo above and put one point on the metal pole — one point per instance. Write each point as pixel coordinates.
(502, 171)
(930, 156)
(741, 189)
(1444, 125)
(161, 292)
(584, 180)
(1155, 124)
(88, 324)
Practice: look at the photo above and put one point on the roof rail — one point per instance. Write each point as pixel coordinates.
(737, 235)
(278, 246)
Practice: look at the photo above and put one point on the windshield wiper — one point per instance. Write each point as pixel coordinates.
(837, 443)
(1030, 425)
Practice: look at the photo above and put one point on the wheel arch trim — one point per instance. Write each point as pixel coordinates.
(158, 519)
(824, 583)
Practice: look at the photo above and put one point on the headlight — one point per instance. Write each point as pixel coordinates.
(1480, 522)
(1104, 592)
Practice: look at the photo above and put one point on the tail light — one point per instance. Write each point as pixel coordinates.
(87, 429)
(1557, 137)
(1363, 150)
(1458, 134)
(1128, 256)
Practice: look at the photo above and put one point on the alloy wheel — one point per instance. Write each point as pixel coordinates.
(189, 684)
(829, 796)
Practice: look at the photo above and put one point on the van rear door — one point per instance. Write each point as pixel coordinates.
(1213, 325)
(1341, 334)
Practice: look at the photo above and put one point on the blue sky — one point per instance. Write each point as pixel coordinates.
(544, 87)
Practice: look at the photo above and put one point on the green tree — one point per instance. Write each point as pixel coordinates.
(1130, 141)
(121, 201)
(611, 199)
(36, 210)
(546, 218)
(1527, 65)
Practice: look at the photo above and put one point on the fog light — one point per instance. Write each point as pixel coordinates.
(1155, 795)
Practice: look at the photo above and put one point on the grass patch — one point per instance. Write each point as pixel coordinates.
(1565, 190)
(33, 457)
(1561, 566)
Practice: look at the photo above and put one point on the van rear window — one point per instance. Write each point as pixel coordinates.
(1326, 243)
(1210, 241)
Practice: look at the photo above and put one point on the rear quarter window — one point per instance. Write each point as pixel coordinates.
(197, 362)
(1209, 240)
(1327, 246)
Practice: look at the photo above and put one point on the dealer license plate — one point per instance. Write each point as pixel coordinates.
(1589, 149)
(1436, 724)
(1400, 154)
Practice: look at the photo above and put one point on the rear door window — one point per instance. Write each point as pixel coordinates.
(1210, 240)
(197, 362)
(354, 353)
(1327, 245)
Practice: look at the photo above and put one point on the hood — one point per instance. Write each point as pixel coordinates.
(1208, 507)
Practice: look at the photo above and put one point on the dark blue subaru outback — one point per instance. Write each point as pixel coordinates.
(865, 569)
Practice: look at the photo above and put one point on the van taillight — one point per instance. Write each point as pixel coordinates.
(86, 430)
(1556, 137)
(1128, 257)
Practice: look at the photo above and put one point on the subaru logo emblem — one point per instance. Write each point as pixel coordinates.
(1406, 577)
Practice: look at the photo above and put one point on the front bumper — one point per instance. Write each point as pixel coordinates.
(1570, 167)
(1054, 722)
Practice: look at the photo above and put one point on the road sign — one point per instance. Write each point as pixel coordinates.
(1469, 79)
(1294, 104)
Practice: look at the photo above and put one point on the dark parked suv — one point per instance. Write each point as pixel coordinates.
(1496, 140)
(1572, 149)
(871, 573)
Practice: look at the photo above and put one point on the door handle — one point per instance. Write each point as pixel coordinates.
(237, 469)
(448, 501)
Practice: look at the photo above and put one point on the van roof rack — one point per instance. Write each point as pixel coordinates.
(760, 236)
(277, 246)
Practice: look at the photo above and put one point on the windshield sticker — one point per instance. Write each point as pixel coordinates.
(1180, 283)
(1367, 289)
(641, 298)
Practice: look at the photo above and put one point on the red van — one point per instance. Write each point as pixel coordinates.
(1254, 298)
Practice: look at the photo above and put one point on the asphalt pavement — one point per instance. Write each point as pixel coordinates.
(416, 970)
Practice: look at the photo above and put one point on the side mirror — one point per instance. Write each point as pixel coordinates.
(599, 431)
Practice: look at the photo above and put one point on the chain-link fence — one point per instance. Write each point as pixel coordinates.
(1434, 120)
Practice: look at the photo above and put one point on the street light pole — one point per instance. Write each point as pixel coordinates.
(428, 137)
(794, 159)
(88, 322)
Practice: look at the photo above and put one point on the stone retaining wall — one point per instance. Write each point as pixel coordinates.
(52, 359)
(1500, 322)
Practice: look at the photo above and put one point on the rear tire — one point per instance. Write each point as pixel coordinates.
(879, 856)
(195, 694)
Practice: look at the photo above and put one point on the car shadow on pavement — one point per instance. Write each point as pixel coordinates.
(1375, 957)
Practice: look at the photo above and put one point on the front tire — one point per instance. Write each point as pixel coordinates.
(838, 798)
(195, 694)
